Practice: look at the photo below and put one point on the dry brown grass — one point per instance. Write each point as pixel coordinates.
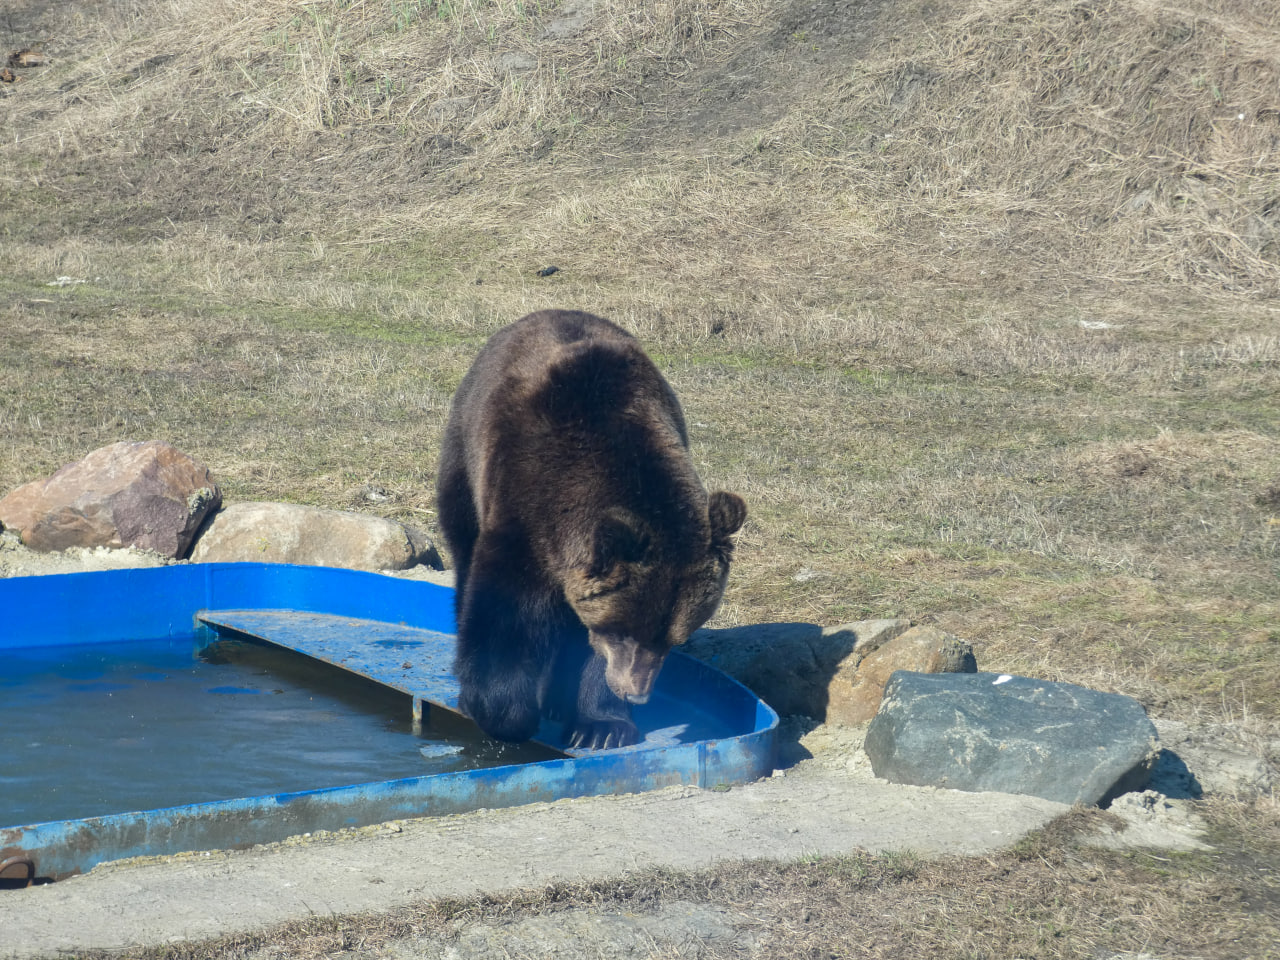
(496, 77)
(970, 301)
(1135, 140)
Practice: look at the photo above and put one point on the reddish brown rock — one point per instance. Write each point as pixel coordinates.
(148, 495)
(291, 533)
(920, 649)
(793, 667)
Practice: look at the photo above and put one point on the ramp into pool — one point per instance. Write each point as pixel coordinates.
(701, 727)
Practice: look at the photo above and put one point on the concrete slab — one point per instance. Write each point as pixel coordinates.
(816, 808)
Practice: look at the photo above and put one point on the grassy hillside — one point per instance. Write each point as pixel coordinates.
(975, 302)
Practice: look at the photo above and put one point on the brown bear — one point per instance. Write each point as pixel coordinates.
(584, 543)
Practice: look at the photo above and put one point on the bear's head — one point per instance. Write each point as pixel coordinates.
(638, 596)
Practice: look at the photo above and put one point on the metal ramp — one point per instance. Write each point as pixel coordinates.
(419, 662)
(413, 660)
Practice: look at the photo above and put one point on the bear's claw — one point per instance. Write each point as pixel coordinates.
(602, 735)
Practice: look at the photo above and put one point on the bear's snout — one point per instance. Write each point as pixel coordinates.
(630, 669)
(631, 686)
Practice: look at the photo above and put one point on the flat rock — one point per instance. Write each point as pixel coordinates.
(793, 667)
(291, 533)
(148, 495)
(983, 731)
(855, 695)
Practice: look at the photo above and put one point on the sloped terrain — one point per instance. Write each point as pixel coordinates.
(1088, 143)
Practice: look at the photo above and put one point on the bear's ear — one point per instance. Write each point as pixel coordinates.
(727, 513)
(619, 539)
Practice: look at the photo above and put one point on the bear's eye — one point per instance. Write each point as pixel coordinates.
(595, 588)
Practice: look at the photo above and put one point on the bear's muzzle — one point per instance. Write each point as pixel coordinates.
(630, 668)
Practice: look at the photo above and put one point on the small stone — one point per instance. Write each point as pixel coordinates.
(290, 533)
(148, 495)
(374, 493)
(517, 62)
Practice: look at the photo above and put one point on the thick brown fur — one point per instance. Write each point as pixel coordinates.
(584, 543)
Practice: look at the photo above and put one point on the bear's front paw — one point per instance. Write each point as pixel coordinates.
(510, 719)
(601, 734)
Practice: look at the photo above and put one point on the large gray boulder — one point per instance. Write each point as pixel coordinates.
(291, 533)
(148, 495)
(983, 731)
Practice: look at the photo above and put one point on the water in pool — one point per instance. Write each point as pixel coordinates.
(100, 729)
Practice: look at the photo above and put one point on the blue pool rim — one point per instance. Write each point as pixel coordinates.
(164, 602)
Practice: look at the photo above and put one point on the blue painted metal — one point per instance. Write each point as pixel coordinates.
(409, 659)
(701, 727)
